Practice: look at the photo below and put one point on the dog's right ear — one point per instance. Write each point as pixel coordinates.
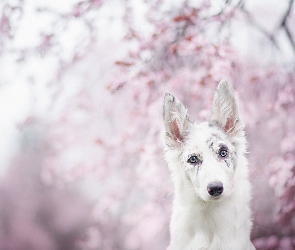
(176, 120)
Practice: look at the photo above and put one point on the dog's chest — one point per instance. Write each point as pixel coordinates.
(201, 229)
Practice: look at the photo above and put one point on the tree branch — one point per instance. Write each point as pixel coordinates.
(285, 27)
(282, 25)
(258, 27)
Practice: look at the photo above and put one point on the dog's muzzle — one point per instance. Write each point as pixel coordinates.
(215, 188)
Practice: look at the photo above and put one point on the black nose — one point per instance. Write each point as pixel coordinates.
(215, 188)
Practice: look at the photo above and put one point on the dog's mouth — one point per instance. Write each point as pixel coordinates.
(210, 198)
(216, 198)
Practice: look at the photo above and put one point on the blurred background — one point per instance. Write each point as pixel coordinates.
(81, 88)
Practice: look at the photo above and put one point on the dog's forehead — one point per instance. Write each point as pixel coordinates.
(205, 134)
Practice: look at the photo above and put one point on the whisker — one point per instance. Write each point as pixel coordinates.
(165, 183)
(166, 196)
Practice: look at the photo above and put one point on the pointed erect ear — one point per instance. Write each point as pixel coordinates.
(225, 113)
(176, 120)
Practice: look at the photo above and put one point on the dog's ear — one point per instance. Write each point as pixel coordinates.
(225, 113)
(176, 120)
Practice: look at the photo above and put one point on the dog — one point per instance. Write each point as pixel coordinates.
(212, 193)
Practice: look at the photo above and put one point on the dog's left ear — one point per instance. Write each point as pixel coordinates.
(225, 113)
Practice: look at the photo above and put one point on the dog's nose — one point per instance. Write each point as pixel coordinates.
(215, 188)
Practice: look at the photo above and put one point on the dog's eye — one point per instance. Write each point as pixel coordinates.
(223, 152)
(193, 159)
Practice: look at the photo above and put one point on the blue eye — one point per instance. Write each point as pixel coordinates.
(223, 152)
(193, 160)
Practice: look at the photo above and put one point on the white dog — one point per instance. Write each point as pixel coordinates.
(211, 209)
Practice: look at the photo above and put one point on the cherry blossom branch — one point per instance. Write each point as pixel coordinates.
(285, 27)
(259, 27)
(282, 25)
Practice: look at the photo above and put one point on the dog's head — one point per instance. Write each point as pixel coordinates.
(205, 155)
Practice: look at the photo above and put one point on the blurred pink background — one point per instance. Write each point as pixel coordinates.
(81, 89)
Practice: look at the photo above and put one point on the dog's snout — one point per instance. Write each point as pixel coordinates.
(215, 188)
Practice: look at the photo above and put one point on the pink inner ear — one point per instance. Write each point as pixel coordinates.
(175, 131)
(229, 125)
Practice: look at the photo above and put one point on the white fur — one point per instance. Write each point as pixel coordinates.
(201, 221)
